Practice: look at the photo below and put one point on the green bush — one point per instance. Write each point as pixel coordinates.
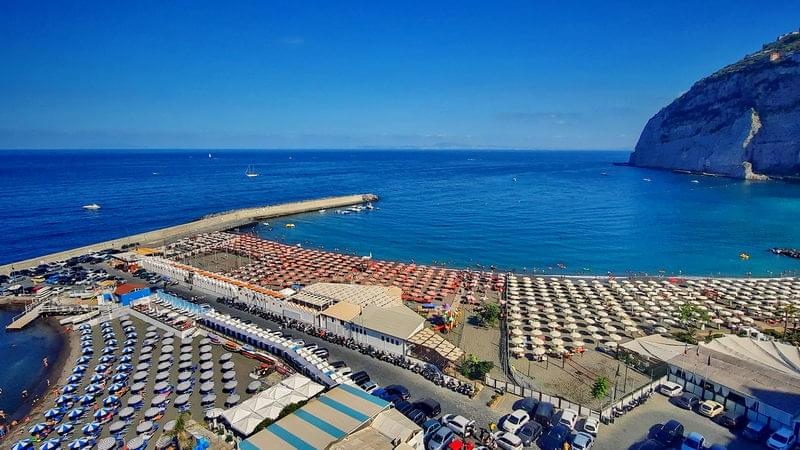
(489, 314)
(475, 369)
(600, 387)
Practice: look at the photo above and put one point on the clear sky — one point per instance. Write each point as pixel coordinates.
(335, 74)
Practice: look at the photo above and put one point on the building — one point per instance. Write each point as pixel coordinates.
(129, 292)
(343, 418)
(758, 378)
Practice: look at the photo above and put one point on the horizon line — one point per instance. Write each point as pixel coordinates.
(360, 148)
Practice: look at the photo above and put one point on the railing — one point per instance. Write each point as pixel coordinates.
(557, 401)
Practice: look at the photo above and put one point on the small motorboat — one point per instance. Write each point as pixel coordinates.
(646, 179)
(289, 225)
(694, 181)
(744, 256)
(91, 206)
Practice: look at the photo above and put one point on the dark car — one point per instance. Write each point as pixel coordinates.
(398, 390)
(669, 433)
(529, 433)
(686, 401)
(528, 404)
(338, 364)
(417, 416)
(403, 406)
(555, 438)
(429, 406)
(544, 414)
(360, 377)
(650, 444)
(732, 420)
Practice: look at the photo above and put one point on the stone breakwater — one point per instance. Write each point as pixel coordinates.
(216, 222)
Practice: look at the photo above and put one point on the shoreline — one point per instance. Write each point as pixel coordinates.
(42, 394)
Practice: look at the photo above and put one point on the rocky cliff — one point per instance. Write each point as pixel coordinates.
(743, 121)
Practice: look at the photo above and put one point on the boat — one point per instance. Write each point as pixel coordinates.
(91, 206)
(605, 174)
(321, 211)
(251, 172)
(289, 225)
(694, 181)
(744, 256)
(209, 156)
(646, 179)
(369, 206)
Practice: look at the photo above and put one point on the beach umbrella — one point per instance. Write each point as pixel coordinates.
(161, 386)
(101, 368)
(140, 376)
(208, 399)
(75, 414)
(147, 349)
(135, 443)
(151, 413)
(126, 412)
(232, 400)
(107, 443)
(165, 358)
(184, 386)
(74, 378)
(111, 401)
(107, 359)
(134, 400)
(253, 386)
(87, 399)
(126, 359)
(38, 428)
(117, 427)
(229, 375)
(80, 443)
(206, 366)
(119, 377)
(164, 366)
(141, 367)
(137, 387)
(64, 399)
(130, 342)
(225, 357)
(97, 378)
(230, 386)
(50, 444)
(103, 412)
(53, 413)
(80, 368)
(116, 387)
(24, 444)
(91, 428)
(228, 365)
(162, 376)
(127, 350)
(93, 388)
(88, 350)
(185, 366)
(185, 357)
(144, 427)
(83, 360)
(181, 399)
(158, 400)
(65, 428)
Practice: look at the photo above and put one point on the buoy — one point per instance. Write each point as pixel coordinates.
(744, 256)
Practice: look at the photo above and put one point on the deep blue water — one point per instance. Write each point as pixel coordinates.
(457, 207)
(22, 353)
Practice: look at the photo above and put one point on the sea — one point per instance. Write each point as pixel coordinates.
(538, 212)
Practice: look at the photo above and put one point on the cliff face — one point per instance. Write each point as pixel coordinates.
(746, 116)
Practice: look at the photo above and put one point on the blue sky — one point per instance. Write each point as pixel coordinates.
(293, 74)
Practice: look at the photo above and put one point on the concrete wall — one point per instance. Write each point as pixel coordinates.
(217, 222)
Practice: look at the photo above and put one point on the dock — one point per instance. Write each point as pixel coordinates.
(207, 224)
(25, 318)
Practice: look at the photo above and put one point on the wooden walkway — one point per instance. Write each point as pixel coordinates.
(25, 319)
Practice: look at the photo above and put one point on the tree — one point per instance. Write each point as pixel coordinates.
(600, 387)
(489, 314)
(789, 313)
(692, 317)
(181, 434)
(475, 369)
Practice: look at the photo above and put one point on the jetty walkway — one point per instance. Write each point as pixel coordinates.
(214, 222)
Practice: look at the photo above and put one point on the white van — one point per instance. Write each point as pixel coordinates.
(670, 389)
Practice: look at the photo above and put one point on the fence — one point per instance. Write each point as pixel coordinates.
(606, 416)
(558, 402)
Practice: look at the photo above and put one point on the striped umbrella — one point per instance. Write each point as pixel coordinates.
(50, 444)
(64, 428)
(91, 428)
(24, 444)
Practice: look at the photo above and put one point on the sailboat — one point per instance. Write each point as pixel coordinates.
(209, 156)
(251, 172)
(91, 206)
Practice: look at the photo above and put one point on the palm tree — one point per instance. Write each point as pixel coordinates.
(789, 312)
(184, 439)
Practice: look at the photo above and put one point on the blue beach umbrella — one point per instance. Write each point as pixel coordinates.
(94, 388)
(25, 444)
(129, 329)
(127, 350)
(65, 428)
(74, 378)
(69, 388)
(84, 326)
(87, 399)
(110, 401)
(79, 444)
(76, 413)
(91, 428)
(50, 444)
(97, 378)
(87, 350)
(108, 350)
(53, 413)
(116, 387)
(101, 368)
(38, 428)
(112, 342)
(80, 368)
(130, 342)
(120, 377)
(107, 359)
(102, 412)
(124, 367)
(83, 360)
(65, 399)
(126, 359)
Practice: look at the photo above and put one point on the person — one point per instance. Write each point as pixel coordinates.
(566, 446)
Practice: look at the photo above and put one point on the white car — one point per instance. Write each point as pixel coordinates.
(783, 439)
(459, 424)
(582, 441)
(507, 441)
(512, 422)
(591, 426)
(569, 417)
(670, 389)
(441, 439)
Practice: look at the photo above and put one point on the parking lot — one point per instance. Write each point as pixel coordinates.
(633, 428)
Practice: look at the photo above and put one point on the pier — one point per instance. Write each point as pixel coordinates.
(210, 223)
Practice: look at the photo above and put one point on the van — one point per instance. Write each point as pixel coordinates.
(755, 431)
(544, 414)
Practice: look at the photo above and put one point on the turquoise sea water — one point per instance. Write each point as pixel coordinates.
(513, 209)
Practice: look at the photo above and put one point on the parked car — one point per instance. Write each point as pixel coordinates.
(710, 408)
(360, 377)
(544, 414)
(511, 422)
(429, 406)
(582, 441)
(417, 416)
(782, 439)
(590, 425)
(369, 386)
(398, 390)
(528, 404)
(669, 433)
(403, 406)
(555, 438)
(650, 444)
(429, 427)
(755, 431)
(507, 441)
(530, 432)
(459, 424)
(694, 441)
(686, 401)
(732, 420)
(569, 417)
(670, 389)
(440, 439)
